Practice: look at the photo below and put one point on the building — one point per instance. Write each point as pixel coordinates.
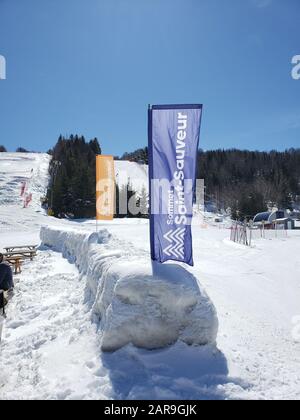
(267, 218)
(273, 220)
(286, 223)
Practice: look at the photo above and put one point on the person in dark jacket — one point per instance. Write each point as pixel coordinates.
(6, 275)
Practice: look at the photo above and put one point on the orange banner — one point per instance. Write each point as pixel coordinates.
(105, 187)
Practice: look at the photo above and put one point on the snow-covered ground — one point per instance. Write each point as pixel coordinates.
(52, 349)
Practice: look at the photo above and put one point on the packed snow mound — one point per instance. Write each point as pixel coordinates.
(135, 301)
(153, 307)
(17, 168)
(136, 174)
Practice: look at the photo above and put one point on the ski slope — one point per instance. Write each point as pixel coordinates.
(132, 173)
(51, 346)
(16, 168)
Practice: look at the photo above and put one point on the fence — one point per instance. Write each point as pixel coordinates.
(244, 233)
(278, 231)
(241, 233)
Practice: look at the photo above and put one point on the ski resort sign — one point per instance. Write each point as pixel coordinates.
(173, 144)
(2, 68)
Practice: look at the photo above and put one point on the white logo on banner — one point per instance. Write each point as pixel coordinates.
(176, 239)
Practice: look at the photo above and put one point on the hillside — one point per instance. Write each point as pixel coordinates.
(247, 182)
(135, 173)
(16, 168)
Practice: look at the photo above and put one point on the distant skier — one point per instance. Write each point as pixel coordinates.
(6, 275)
(27, 200)
(23, 188)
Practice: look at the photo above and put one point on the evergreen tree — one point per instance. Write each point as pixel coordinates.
(73, 174)
(244, 181)
(21, 150)
(139, 156)
(143, 203)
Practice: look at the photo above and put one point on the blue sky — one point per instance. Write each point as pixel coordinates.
(91, 67)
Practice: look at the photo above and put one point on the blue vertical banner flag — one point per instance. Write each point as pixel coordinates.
(173, 132)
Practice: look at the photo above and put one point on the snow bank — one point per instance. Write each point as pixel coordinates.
(135, 301)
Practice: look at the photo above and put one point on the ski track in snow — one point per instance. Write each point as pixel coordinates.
(49, 341)
(50, 347)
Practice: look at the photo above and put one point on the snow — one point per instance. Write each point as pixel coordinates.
(49, 336)
(136, 302)
(136, 173)
(52, 338)
(16, 168)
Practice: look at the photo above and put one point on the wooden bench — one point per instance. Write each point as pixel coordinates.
(23, 247)
(16, 263)
(15, 255)
(21, 254)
